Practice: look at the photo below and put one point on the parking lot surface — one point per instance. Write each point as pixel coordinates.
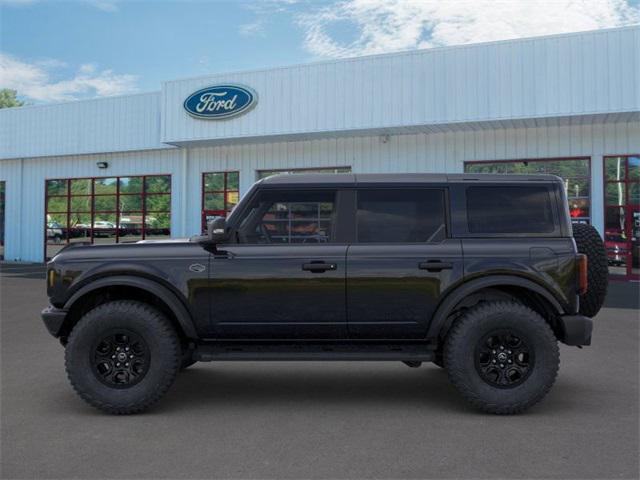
(316, 420)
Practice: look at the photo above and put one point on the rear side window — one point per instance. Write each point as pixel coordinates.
(401, 216)
(509, 210)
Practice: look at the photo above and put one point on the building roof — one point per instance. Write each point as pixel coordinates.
(581, 78)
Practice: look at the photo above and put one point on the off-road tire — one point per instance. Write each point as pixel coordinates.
(589, 242)
(460, 356)
(162, 345)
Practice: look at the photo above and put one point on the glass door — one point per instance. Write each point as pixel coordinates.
(622, 215)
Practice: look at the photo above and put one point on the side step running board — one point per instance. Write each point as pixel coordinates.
(232, 351)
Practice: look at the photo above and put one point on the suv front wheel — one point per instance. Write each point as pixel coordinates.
(502, 356)
(122, 356)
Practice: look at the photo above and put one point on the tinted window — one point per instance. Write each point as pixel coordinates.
(401, 216)
(509, 210)
(575, 173)
(290, 217)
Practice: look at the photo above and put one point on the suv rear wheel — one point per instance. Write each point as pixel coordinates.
(502, 356)
(122, 356)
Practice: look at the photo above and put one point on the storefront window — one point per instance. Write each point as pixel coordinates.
(622, 214)
(106, 210)
(574, 171)
(220, 193)
(268, 173)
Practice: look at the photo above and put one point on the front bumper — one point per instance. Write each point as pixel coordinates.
(53, 319)
(576, 330)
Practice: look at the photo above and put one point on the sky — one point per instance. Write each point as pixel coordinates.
(54, 50)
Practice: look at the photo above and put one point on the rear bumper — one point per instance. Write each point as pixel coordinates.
(53, 319)
(576, 330)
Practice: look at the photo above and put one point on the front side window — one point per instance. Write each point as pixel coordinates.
(509, 209)
(290, 217)
(401, 216)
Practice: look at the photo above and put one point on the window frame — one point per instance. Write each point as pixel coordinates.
(204, 212)
(445, 204)
(627, 209)
(91, 196)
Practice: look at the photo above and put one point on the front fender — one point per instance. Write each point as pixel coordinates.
(172, 301)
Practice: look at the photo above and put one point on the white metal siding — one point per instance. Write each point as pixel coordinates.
(25, 190)
(557, 76)
(435, 152)
(112, 124)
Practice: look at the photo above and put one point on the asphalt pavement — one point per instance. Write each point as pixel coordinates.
(316, 420)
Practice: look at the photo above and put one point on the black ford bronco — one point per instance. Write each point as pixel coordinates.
(479, 274)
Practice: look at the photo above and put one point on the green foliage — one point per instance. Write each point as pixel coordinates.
(8, 98)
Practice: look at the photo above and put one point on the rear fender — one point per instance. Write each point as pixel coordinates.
(441, 321)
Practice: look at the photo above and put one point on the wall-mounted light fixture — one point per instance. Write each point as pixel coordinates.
(102, 164)
(384, 138)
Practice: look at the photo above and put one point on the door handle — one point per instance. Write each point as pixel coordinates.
(318, 267)
(435, 266)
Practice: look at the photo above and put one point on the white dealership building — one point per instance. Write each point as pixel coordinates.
(156, 164)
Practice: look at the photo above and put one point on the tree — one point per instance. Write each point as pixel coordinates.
(8, 98)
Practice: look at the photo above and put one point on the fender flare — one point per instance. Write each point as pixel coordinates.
(163, 293)
(445, 308)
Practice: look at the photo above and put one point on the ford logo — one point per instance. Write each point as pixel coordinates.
(220, 101)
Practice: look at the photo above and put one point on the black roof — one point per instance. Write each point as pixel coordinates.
(352, 179)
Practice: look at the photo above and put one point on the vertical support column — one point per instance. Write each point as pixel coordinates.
(247, 177)
(597, 193)
(185, 204)
(19, 250)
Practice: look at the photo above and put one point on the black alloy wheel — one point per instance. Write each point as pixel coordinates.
(120, 359)
(504, 359)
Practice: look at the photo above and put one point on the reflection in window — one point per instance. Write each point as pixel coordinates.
(290, 217)
(400, 216)
(575, 173)
(268, 173)
(106, 210)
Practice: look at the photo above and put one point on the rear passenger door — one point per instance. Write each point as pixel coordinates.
(401, 261)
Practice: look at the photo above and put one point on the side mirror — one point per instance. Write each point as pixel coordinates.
(217, 230)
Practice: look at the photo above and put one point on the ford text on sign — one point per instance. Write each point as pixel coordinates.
(220, 101)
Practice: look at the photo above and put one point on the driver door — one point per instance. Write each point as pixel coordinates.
(285, 278)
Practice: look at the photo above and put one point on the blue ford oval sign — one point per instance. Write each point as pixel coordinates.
(220, 101)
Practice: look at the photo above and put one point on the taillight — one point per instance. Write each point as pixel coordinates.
(583, 279)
